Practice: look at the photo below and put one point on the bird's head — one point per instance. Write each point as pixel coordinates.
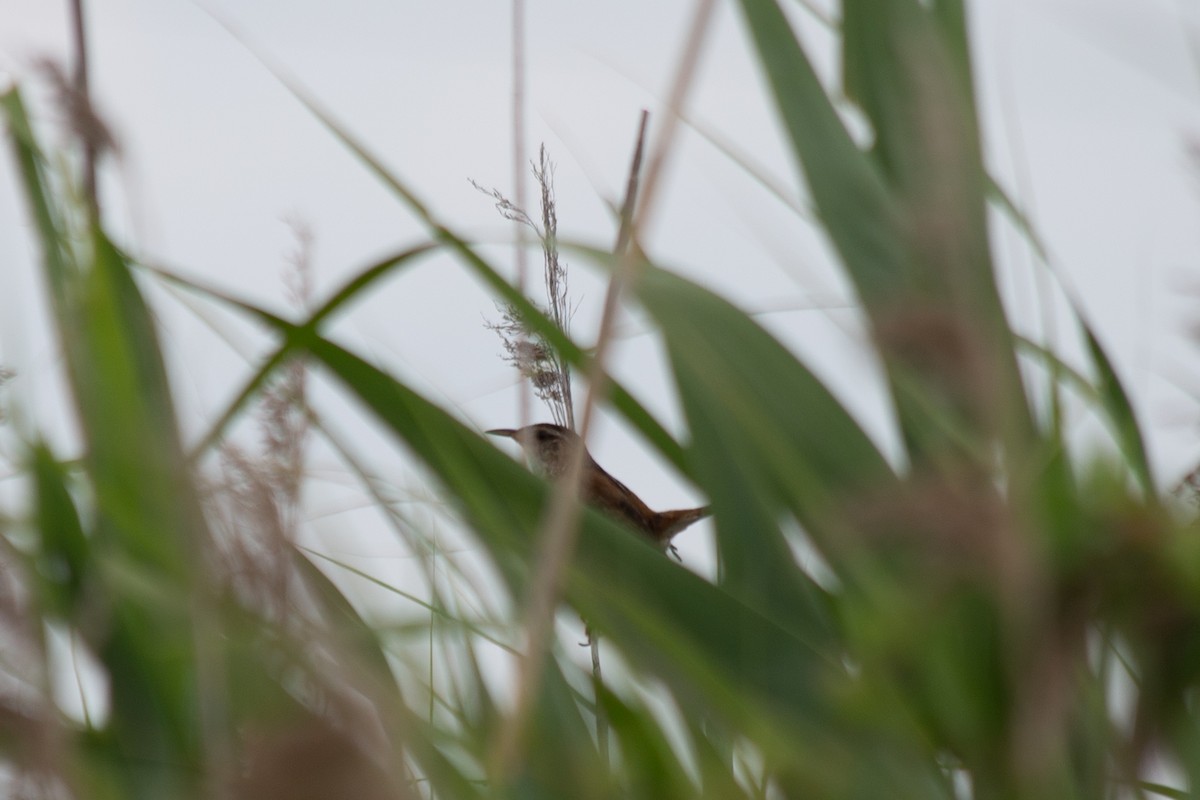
(547, 446)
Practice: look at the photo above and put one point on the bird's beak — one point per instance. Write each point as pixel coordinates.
(505, 432)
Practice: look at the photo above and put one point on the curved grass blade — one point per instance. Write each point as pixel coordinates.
(766, 436)
(47, 220)
(348, 292)
(63, 547)
(1109, 398)
(149, 522)
(908, 219)
(1115, 402)
(848, 192)
(652, 765)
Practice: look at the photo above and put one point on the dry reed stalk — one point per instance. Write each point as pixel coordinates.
(82, 93)
(557, 538)
(524, 414)
(534, 357)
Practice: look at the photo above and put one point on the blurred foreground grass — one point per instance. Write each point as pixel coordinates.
(992, 618)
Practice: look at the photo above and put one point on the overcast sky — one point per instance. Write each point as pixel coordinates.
(1089, 108)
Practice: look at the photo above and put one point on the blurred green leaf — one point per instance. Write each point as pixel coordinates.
(909, 220)
(35, 182)
(149, 526)
(143, 485)
(63, 557)
(1108, 397)
(849, 194)
(652, 764)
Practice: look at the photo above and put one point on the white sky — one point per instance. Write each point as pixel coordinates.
(1088, 108)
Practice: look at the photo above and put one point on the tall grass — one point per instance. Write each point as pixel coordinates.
(992, 618)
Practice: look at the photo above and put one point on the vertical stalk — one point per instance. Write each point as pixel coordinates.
(83, 99)
(521, 246)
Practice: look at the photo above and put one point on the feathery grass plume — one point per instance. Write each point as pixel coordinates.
(284, 417)
(1188, 488)
(533, 356)
(337, 744)
(6, 375)
(251, 537)
(256, 500)
(79, 114)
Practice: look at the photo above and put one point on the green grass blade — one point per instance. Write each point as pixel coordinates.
(134, 455)
(47, 221)
(1108, 397)
(622, 399)
(343, 296)
(1115, 402)
(653, 766)
(147, 519)
(907, 219)
(654, 610)
(150, 524)
(906, 65)
(767, 435)
(64, 551)
(848, 192)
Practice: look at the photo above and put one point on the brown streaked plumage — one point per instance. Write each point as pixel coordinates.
(548, 447)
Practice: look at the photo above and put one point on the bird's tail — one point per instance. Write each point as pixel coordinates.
(669, 523)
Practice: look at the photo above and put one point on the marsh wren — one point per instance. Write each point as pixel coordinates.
(548, 447)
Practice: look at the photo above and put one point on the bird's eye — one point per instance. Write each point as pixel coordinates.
(543, 435)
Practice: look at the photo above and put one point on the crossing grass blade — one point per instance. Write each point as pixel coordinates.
(147, 519)
(641, 601)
